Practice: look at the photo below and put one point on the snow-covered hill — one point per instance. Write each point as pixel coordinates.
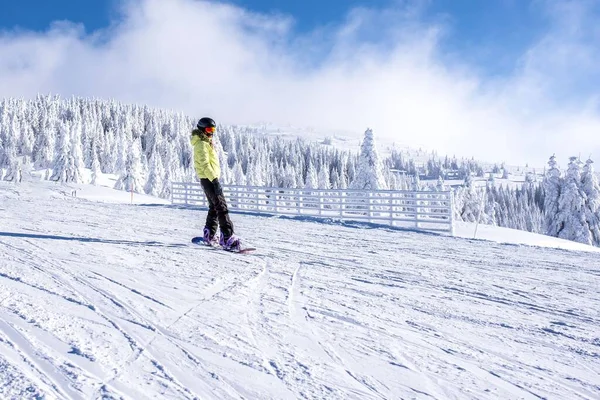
(109, 300)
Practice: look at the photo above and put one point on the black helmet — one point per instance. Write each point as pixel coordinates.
(206, 123)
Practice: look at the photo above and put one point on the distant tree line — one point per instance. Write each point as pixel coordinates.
(564, 205)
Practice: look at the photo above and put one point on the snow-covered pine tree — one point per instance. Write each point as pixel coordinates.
(75, 163)
(254, 173)
(2, 155)
(238, 174)
(369, 174)
(171, 159)
(130, 178)
(232, 157)
(225, 177)
(100, 143)
(112, 153)
(312, 181)
(26, 139)
(532, 213)
(13, 171)
(166, 189)
(87, 135)
(45, 138)
(62, 153)
(165, 155)
(571, 221)
(10, 149)
(336, 179)
(271, 172)
(153, 134)
(552, 188)
(290, 177)
(323, 178)
(488, 215)
(343, 173)
(23, 129)
(95, 163)
(416, 183)
(500, 210)
(591, 187)
(280, 173)
(3, 130)
(468, 201)
(350, 169)
(244, 160)
(121, 146)
(156, 172)
(5, 135)
(530, 179)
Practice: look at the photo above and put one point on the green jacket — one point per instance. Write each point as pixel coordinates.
(206, 162)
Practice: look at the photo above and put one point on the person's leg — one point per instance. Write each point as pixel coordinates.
(211, 218)
(222, 211)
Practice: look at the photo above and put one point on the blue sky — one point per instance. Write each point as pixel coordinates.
(489, 33)
(504, 80)
(38, 14)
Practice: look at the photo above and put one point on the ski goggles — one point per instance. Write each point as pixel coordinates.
(210, 129)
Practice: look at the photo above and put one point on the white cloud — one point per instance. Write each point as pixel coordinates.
(382, 68)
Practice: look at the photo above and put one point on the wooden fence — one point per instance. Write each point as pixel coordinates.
(424, 210)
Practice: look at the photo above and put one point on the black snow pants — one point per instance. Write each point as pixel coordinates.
(218, 214)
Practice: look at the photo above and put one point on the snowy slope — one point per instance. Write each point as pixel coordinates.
(108, 300)
(498, 234)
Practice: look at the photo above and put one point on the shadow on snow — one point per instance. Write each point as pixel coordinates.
(150, 243)
(348, 223)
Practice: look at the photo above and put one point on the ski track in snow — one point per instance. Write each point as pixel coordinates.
(111, 301)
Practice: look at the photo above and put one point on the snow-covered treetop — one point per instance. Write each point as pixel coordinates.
(553, 171)
(574, 169)
(370, 169)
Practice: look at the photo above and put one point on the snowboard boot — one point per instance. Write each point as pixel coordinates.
(232, 243)
(210, 239)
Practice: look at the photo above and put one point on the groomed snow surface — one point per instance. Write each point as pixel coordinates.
(106, 300)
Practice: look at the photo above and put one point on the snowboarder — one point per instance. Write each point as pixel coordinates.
(208, 170)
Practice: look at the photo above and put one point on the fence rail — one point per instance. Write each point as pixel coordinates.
(426, 210)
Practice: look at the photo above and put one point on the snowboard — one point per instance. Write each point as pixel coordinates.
(200, 240)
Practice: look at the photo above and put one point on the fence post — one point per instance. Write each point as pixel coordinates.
(257, 198)
(451, 217)
(243, 197)
(392, 208)
(416, 210)
(320, 202)
(370, 206)
(234, 195)
(185, 195)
